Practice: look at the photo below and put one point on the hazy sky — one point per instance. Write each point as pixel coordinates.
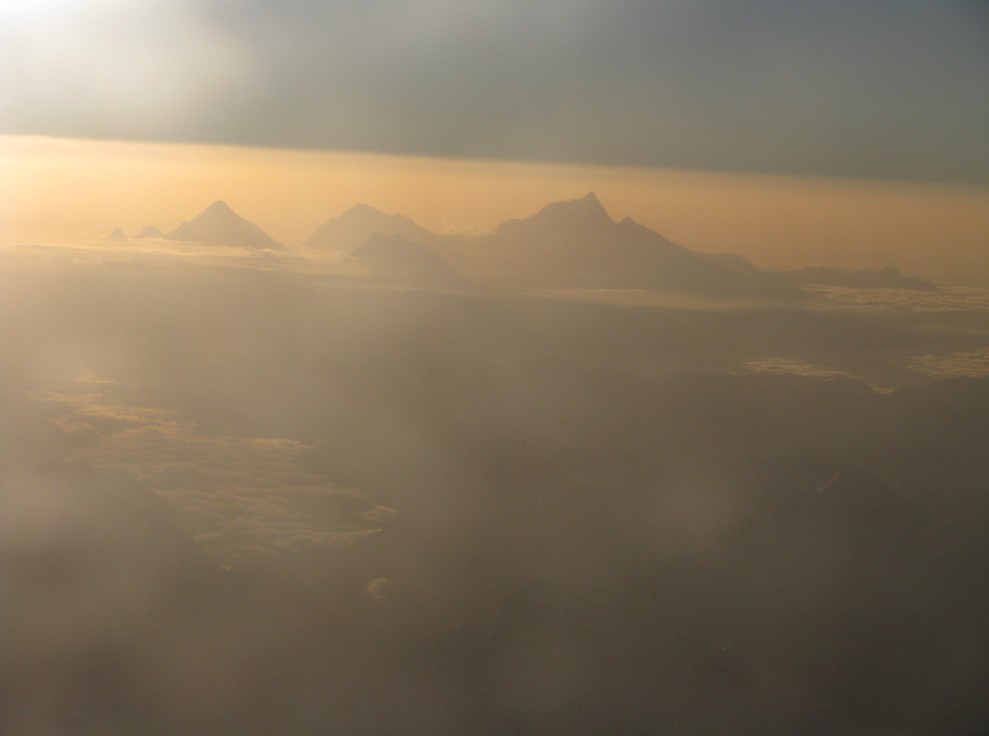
(53, 189)
(838, 132)
(886, 88)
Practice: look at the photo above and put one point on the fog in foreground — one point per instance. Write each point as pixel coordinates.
(245, 493)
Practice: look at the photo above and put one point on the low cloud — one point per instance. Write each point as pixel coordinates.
(237, 495)
(973, 363)
(796, 367)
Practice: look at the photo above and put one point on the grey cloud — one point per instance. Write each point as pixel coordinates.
(891, 89)
(583, 525)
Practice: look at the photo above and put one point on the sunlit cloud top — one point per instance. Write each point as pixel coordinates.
(892, 89)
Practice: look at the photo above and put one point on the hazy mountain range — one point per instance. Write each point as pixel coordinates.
(565, 244)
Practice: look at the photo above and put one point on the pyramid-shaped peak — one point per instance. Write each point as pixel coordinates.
(219, 224)
(218, 209)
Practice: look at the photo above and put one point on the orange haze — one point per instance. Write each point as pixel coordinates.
(52, 189)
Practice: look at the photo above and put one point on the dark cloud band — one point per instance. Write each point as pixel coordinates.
(886, 89)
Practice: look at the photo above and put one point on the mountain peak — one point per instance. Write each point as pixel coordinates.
(219, 211)
(219, 224)
(585, 215)
(367, 213)
(364, 208)
(587, 207)
(352, 228)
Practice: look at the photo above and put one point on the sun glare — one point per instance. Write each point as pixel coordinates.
(40, 11)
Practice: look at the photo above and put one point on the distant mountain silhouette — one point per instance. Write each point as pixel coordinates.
(576, 243)
(571, 243)
(886, 278)
(116, 234)
(583, 218)
(150, 231)
(394, 256)
(352, 229)
(221, 225)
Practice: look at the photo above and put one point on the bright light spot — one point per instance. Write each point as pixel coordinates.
(33, 11)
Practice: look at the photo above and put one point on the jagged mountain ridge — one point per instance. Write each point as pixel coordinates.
(586, 213)
(568, 243)
(577, 243)
(572, 243)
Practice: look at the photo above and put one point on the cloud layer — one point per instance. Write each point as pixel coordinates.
(239, 496)
(889, 89)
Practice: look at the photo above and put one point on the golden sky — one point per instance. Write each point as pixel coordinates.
(57, 189)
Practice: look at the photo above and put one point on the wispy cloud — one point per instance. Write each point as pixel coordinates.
(974, 363)
(238, 495)
(794, 366)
